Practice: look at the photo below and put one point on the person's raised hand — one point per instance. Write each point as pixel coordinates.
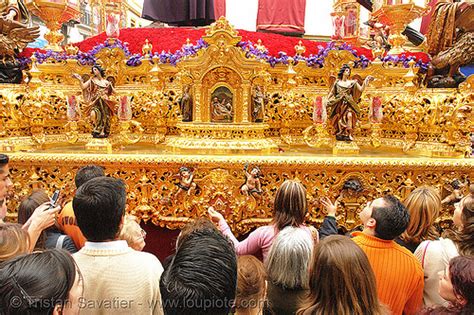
(331, 208)
(42, 218)
(214, 215)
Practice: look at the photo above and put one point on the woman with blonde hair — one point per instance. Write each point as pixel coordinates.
(435, 255)
(341, 280)
(289, 209)
(14, 241)
(250, 293)
(424, 206)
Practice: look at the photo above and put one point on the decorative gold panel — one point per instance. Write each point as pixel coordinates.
(152, 189)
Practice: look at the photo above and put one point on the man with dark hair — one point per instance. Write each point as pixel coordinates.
(116, 277)
(87, 173)
(202, 277)
(398, 273)
(67, 219)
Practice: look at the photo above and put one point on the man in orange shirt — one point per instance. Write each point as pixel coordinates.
(67, 219)
(398, 273)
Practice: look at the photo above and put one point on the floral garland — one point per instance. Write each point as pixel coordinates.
(251, 51)
(89, 58)
(317, 61)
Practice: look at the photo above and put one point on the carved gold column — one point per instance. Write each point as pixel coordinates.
(243, 115)
(197, 102)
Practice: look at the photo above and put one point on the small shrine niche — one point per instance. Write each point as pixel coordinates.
(227, 93)
(221, 98)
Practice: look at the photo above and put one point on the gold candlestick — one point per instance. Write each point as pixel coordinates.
(397, 16)
(54, 14)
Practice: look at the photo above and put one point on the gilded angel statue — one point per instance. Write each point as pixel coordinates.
(343, 103)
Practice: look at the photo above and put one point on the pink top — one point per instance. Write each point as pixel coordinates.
(261, 238)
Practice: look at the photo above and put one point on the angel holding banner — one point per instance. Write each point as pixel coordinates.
(342, 104)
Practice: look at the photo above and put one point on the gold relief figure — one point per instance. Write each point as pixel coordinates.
(456, 194)
(186, 183)
(98, 106)
(221, 110)
(252, 184)
(342, 104)
(221, 105)
(186, 104)
(258, 102)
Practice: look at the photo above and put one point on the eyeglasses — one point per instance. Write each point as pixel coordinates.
(143, 232)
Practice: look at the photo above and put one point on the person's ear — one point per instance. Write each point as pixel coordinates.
(122, 220)
(58, 309)
(371, 223)
(461, 300)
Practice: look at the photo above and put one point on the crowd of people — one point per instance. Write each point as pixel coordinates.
(87, 258)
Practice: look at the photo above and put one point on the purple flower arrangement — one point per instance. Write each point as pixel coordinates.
(403, 61)
(317, 61)
(251, 51)
(134, 60)
(185, 51)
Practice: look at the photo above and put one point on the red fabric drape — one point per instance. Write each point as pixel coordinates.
(425, 21)
(219, 8)
(282, 16)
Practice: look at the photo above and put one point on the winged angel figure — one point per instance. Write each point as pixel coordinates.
(342, 103)
(14, 36)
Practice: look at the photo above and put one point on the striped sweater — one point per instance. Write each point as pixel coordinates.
(398, 273)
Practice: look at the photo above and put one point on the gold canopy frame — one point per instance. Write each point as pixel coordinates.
(422, 139)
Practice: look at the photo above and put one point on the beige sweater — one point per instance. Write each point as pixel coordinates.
(118, 280)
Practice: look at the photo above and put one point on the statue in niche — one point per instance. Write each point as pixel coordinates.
(258, 104)
(221, 105)
(342, 104)
(14, 36)
(98, 107)
(252, 184)
(186, 104)
(186, 182)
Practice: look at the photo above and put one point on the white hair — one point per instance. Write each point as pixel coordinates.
(289, 258)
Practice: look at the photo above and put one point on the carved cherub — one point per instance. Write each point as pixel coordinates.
(186, 183)
(456, 193)
(252, 184)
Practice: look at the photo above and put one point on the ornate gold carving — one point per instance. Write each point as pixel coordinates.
(99, 145)
(317, 135)
(433, 121)
(346, 148)
(221, 26)
(424, 122)
(152, 185)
